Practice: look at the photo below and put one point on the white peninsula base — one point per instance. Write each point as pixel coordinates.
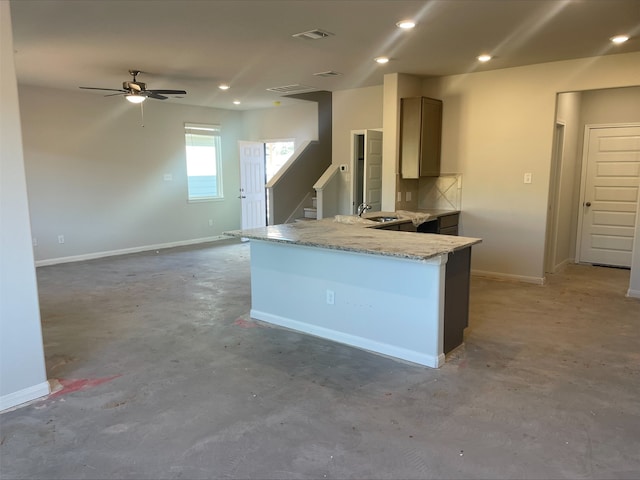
(389, 305)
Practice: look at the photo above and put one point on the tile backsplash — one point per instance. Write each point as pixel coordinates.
(443, 192)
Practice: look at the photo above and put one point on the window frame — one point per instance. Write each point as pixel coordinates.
(215, 131)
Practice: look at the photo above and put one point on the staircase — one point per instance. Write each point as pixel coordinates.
(311, 213)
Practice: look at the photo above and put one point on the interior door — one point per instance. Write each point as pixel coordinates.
(252, 185)
(373, 169)
(610, 195)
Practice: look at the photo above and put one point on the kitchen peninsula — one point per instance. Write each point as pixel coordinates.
(396, 293)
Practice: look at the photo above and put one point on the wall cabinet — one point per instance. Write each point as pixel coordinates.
(420, 137)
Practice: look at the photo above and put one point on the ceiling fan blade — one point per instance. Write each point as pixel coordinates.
(105, 89)
(168, 92)
(114, 94)
(152, 94)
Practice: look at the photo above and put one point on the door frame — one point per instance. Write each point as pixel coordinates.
(354, 168)
(353, 163)
(557, 160)
(583, 176)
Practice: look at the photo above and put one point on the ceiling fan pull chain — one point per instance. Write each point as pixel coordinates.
(142, 114)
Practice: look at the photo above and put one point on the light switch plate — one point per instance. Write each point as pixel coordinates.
(527, 177)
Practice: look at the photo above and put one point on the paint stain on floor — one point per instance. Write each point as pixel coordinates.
(74, 385)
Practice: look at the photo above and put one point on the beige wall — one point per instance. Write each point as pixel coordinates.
(618, 105)
(356, 109)
(567, 169)
(299, 122)
(498, 125)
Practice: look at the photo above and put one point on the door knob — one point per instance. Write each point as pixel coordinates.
(587, 204)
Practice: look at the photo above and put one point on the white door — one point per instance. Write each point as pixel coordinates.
(610, 195)
(252, 185)
(373, 169)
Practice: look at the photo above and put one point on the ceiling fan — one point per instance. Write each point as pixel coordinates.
(136, 92)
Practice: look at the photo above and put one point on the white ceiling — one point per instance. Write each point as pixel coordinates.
(195, 45)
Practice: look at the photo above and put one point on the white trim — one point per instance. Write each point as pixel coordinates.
(633, 293)
(23, 396)
(352, 340)
(125, 251)
(508, 276)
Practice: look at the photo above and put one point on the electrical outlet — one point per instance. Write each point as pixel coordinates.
(60, 238)
(408, 196)
(331, 298)
(527, 177)
(168, 177)
(399, 196)
(35, 242)
(210, 222)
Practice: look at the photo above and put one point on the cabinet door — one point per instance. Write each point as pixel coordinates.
(420, 137)
(410, 131)
(430, 137)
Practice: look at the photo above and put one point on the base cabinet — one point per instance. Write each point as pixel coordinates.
(444, 225)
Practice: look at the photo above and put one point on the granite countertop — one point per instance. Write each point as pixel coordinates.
(328, 234)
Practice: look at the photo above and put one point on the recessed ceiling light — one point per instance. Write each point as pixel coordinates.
(484, 57)
(619, 39)
(224, 86)
(406, 24)
(382, 60)
(236, 102)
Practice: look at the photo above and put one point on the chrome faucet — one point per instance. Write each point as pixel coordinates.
(363, 207)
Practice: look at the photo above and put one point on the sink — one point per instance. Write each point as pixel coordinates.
(383, 218)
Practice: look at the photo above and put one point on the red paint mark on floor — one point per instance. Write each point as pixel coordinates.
(242, 323)
(70, 386)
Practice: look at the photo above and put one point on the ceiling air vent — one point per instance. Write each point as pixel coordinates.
(313, 34)
(329, 73)
(292, 89)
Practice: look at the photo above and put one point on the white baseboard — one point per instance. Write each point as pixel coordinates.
(124, 251)
(363, 343)
(508, 277)
(633, 293)
(23, 396)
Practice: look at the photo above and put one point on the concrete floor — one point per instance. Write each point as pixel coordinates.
(164, 375)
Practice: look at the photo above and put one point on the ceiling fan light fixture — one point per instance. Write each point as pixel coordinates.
(135, 98)
(484, 57)
(224, 86)
(382, 60)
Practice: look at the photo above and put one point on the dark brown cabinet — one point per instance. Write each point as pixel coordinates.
(446, 224)
(420, 137)
(443, 225)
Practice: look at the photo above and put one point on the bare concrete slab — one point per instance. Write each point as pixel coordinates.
(163, 374)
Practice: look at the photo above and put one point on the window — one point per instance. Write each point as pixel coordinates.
(277, 152)
(204, 162)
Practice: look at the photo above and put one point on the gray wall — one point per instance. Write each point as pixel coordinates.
(96, 176)
(22, 370)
